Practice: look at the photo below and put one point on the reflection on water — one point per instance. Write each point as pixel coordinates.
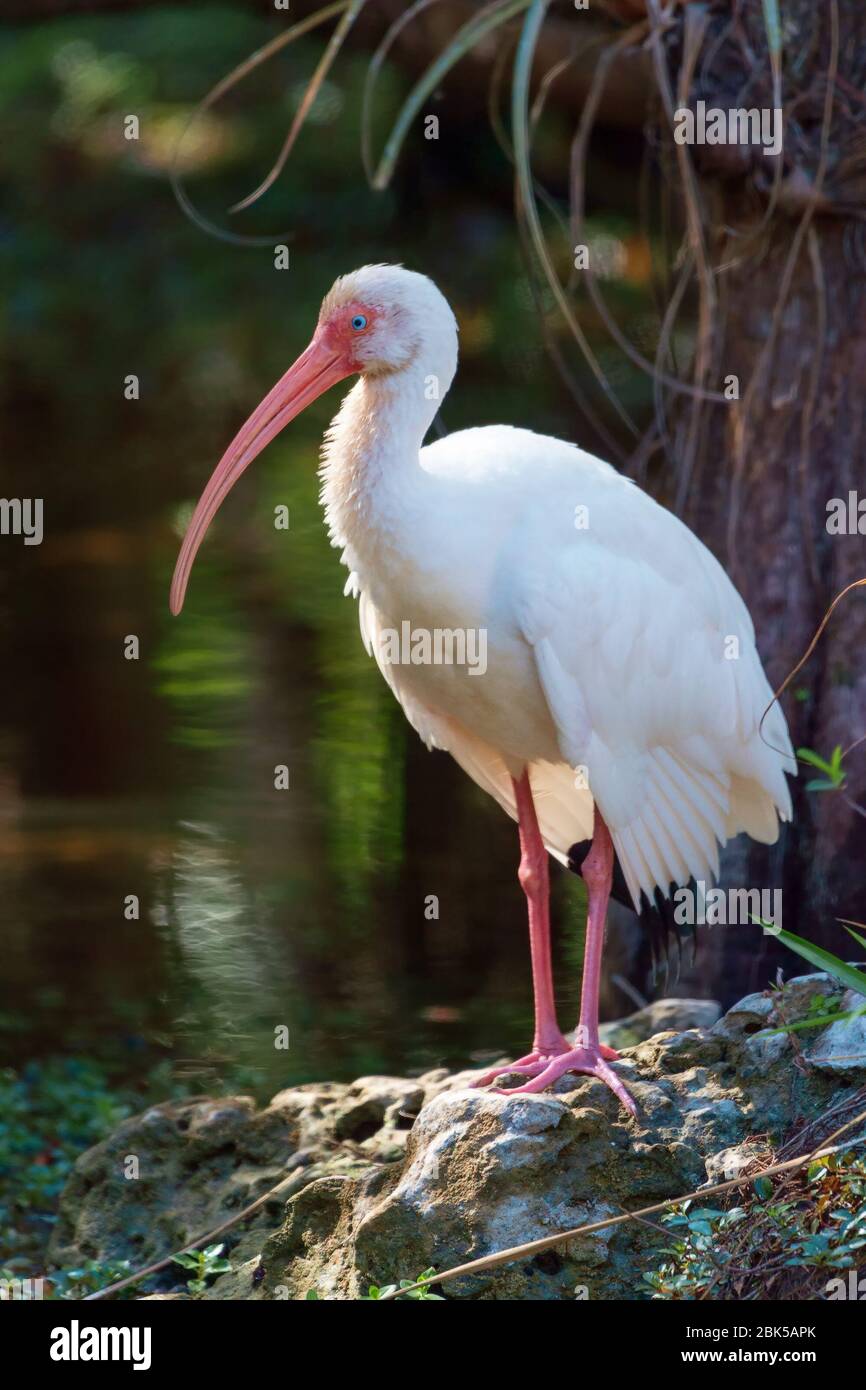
(223, 935)
(204, 911)
(231, 947)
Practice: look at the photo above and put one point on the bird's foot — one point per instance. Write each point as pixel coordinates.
(545, 1068)
(540, 1058)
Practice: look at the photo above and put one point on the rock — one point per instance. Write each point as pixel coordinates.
(662, 1016)
(387, 1176)
(842, 1047)
(195, 1163)
(377, 1102)
(730, 1163)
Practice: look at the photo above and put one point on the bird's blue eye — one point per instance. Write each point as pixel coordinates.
(359, 322)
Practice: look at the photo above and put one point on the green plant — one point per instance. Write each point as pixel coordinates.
(847, 975)
(376, 1291)
(425, 1278)
(202, 1264)
(87, 1278)
(68, 1283)
(833, 778)
(49, 1112)
(779, 1242)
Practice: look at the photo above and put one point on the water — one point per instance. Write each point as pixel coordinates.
(207, 918)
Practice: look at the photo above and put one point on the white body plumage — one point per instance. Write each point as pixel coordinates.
(621, 662)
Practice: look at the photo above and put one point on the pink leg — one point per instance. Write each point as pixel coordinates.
(535, 882)
(547, 1041)
(588, 1054)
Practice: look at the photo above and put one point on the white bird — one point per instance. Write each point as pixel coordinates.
(620, 692)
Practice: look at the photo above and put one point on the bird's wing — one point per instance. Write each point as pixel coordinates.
(564, 811)
(646, 656)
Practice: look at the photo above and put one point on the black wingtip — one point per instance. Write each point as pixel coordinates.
(657, 918)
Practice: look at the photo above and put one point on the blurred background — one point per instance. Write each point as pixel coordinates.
(154, 777)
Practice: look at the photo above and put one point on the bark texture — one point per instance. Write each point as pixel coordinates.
(789, 320)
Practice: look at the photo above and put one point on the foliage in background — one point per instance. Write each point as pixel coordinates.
(49, 1113)
(787, 1240)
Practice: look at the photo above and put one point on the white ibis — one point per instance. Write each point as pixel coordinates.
(620, 695)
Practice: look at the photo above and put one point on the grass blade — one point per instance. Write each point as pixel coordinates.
(819, 1021)
(335, 43)
(861, 940)
(374, 68)
(237, 75)
(520, 140)
(465, 39)
(825, 960)
(773, 26)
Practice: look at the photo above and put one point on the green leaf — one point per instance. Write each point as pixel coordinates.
(764, 1188)
(825, 960)
(376, 1291)
(187, 1261)
(861, 940)
(846, 974)
(815, 760)
(311, 1294)
(816, 1021)
(832, 770)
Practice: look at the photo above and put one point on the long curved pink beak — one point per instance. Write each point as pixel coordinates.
(318, 368)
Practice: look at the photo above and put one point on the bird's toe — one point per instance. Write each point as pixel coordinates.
(543, 1072)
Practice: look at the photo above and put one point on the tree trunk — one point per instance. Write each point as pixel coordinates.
(790, 324)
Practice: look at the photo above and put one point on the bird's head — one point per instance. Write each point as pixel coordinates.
(381, 317)
(374, 322)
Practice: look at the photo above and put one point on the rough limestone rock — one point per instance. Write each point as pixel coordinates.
(388, 1176)
(661, 1016)
(842, 1046)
